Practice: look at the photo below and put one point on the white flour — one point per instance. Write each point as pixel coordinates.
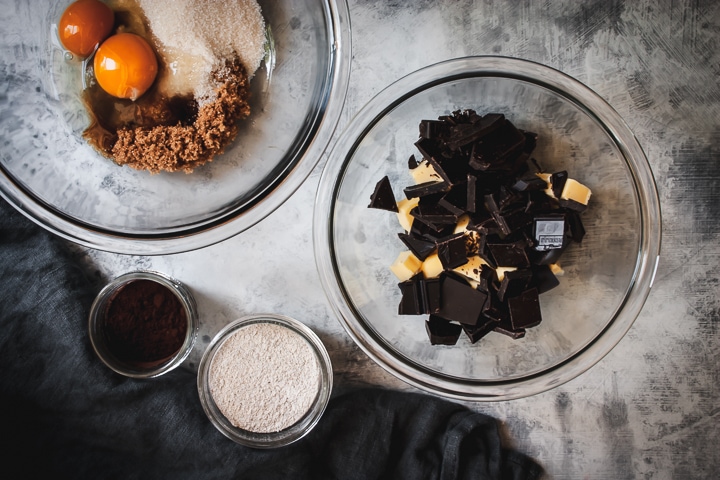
(264, 377)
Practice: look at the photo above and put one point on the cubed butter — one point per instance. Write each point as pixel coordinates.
(432, 266)
(425, 172)
(500, 272)
(556, 269)
(405, 266)
(404, 207)
(575, 191)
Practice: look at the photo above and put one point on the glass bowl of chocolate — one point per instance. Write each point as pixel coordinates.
(153, 127)
(143, 324)
(265, 380)
(487, 228)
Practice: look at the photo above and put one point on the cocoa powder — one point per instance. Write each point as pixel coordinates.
(145, 323)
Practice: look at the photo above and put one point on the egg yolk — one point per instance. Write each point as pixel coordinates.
(84, 24)
(125, 65)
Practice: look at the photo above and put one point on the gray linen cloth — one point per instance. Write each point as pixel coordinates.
(65, 415)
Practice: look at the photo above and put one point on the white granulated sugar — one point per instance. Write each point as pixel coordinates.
(264, 377)
(195, 36)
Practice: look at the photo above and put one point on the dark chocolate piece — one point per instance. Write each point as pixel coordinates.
(413, 163)
(557, 181)
(453, 251)
(506, 328)
(572, 204)
(420, 247)
(529, 183)
(433, 295)
(549, 256)
(514, 283)
(425, 188)
(525, 310)
(470, 194)
(383, 197)
(577, 230)
(420, 296)
(549, 231)
(493, 154)
(455, 200)
(487, 276)
(423, 230)
(460, 302)
(476, 332)
(434, 216)
(543, 279)
(411, 302)
(464, 134)
(509, 254)
(442, 332)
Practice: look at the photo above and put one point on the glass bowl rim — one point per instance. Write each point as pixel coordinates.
(182, 294)
(296, 431)
(582, 97)
(235, 221)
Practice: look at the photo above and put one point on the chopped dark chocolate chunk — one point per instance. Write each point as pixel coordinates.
(434, 216)
(411, 302)
(529, 183)
(470, 193)
(549, 256)
(459, 301)
(426, 188)
(513, 283)
(452, 251)
(557, 182)
(383, 197)
(525, 310)
(506, 328)
(433, 295)
(577, 230)
(420, 296)
(476, 332)
(420, 247)
(572, 204)
(493, 153)
(543, 279)
(442, 332)
(455, 200)
(487, 276)
(509, 254)
(412, 163)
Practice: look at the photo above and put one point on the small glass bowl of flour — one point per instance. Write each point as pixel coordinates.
(265, 380)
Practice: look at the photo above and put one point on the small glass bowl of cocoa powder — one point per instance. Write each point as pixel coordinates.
(143, 324)
(265, 380)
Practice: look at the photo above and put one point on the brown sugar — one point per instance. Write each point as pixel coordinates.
(185, 146)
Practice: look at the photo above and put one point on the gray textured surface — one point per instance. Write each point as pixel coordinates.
(650, 408)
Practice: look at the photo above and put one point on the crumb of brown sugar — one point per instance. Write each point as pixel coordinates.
(185, 147)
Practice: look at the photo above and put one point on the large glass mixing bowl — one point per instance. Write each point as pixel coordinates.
(53, 176)
(607, 277)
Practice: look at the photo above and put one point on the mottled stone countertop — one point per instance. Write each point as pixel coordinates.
(651, 407)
